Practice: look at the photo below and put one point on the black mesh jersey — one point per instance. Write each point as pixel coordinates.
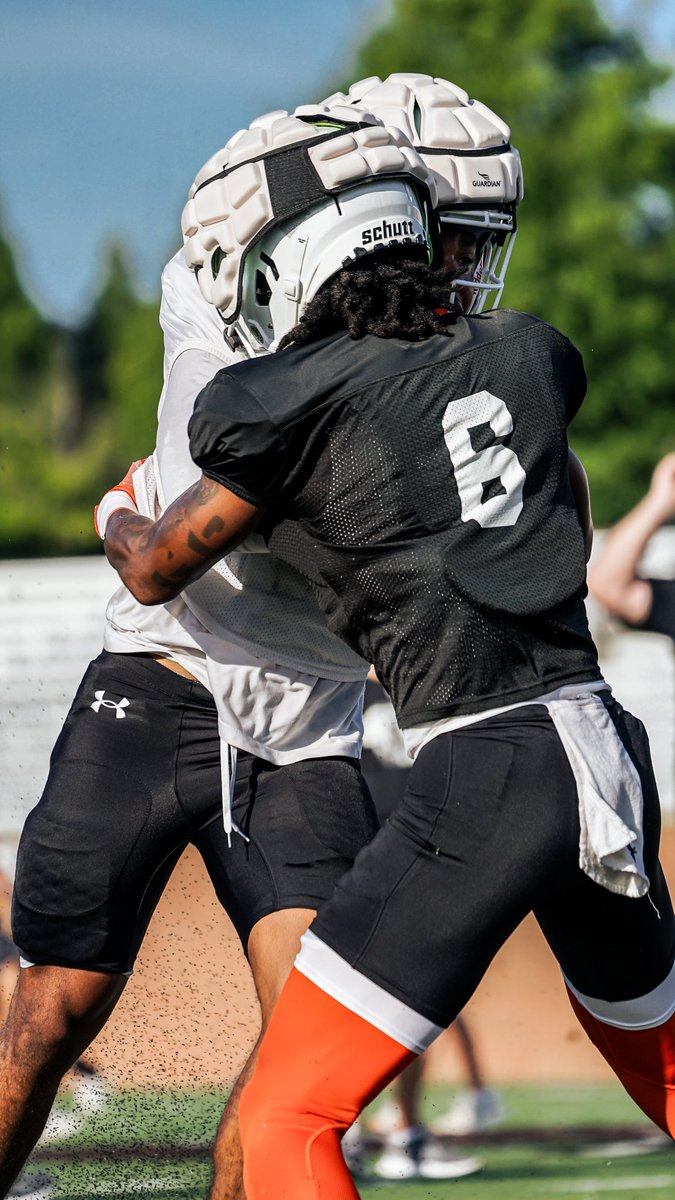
(422, 487)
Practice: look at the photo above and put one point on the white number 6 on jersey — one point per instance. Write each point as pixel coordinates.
(489, 480)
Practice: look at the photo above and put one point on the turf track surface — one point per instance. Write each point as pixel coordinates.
(584, 1143)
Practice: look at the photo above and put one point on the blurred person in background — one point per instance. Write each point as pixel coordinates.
(231, 720)
(614, 577)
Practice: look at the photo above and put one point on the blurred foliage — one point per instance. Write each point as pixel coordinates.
(76, 406)
(596, 244)
(594, 256)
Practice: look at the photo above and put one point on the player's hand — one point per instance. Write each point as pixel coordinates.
(123, 495)
(662, 488)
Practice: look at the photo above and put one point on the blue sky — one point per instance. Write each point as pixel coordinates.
(108, 108)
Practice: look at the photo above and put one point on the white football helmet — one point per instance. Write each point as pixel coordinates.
(467, 146)
(285, 269)
(290, 201)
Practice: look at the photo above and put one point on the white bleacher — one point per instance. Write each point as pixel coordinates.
(51, 625)
(51, 622)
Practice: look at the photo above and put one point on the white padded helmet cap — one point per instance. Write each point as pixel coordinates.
(276, 170)
(464, 142)
(478, 172)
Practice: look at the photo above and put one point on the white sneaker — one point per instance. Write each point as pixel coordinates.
(91, 1093)
(353, 1151)
(471, 1111)
(438, 1162)
(60, 1125)
(37, 1186)
(411, 1154)
(401, 1156)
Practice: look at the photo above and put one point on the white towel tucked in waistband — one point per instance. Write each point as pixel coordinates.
(611, 845)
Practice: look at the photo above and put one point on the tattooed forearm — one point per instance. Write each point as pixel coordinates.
(183, 516)
(170, 583)
(157, 559)
(126, 534)
(197, 545)
(214, 526)
(205, 491)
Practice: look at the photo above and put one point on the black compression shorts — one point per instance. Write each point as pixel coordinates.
(487, 831)
(135, 778)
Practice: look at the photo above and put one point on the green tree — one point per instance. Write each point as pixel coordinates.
(27, 340)
(75, 408)
(597, 238)
(28, 407)
(117, 362)
(114, 363)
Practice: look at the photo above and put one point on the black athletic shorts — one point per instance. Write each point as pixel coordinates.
(135, 778)
(487, 831)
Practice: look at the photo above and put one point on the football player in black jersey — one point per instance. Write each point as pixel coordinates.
(413, 462)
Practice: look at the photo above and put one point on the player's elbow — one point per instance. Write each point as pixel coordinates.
(148, 587)
(148, 596)
(139, 570)
(627, 599)
(149, 592)
(600, 587)
(603, 587)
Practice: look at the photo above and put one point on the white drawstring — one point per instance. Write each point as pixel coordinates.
(228, 778)
(228, 775)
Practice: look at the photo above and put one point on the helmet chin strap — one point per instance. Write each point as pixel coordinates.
(230, 337)
(292, 284)
(239, 337)
(292, 292)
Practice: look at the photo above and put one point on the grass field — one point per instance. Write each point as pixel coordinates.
(557, 1142)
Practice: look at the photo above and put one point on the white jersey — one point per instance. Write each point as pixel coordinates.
(250, 630)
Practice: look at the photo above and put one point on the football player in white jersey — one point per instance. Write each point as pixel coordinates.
(287, 697)
(421, 456)
(254, 709)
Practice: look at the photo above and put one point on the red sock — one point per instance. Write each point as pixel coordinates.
(319, 1065)
(643, 1059)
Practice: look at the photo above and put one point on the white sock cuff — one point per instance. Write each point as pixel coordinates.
(333, 975)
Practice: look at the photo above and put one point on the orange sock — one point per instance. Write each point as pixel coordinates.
(319, 1065)
(643, 1059)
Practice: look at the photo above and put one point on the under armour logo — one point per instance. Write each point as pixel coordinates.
(118, 705)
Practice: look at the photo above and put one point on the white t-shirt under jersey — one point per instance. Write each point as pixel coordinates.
(285, 688)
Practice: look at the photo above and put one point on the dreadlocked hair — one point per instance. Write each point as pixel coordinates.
(385, 295)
